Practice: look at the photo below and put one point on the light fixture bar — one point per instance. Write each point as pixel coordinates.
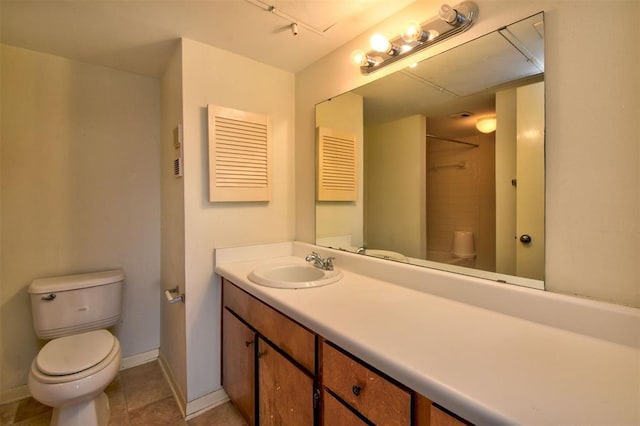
(451, 21)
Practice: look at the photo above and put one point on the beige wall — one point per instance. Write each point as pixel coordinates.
(173, 345)
(80, 192)
(340, 218)
(592, 154)
(211, 75)
(395, 195)
(505, 191)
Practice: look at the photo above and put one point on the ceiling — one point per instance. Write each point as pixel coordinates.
(139, 35)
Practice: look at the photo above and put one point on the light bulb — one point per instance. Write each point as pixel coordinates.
(412, 32)
(486, 125)
(359, 57)
(379, 43)
(448, 14)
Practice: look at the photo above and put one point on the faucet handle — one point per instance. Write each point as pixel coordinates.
(328, 264)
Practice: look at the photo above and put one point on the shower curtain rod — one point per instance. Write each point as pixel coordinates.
(453, 140)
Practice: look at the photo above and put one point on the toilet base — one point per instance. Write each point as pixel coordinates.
(91, 412)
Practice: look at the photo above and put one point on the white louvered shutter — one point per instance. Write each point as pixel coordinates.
(337, 165)
(239, 155)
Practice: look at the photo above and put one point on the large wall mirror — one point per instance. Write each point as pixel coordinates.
(432, 189)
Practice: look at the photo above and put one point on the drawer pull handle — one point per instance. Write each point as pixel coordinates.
(356, 390)
(248, 343)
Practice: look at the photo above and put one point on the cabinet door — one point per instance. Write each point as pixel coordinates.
(285, 392)
(238, 364)
(440, 418)
(336, 414)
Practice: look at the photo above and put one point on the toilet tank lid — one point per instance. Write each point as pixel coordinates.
(76, 281)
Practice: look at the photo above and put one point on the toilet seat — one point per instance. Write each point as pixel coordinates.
(74, 357)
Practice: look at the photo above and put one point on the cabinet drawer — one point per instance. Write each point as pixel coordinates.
(375, 397)
(291, 337)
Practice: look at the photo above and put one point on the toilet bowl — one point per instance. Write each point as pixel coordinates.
(81, 358)
(70, 374)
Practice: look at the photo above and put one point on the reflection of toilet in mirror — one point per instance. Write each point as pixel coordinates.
(463, 251)
(463, 245)
(82, 358)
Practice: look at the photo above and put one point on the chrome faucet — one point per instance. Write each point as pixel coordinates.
(361, 250)
(319, 262)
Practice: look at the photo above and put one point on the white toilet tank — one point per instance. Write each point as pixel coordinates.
(74, 303)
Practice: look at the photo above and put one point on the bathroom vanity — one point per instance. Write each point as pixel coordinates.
(396, 344)
(301, 375)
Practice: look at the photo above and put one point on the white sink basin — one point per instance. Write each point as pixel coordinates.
(293, 275)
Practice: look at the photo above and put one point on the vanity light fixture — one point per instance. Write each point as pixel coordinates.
(415, 37)
(486, 124)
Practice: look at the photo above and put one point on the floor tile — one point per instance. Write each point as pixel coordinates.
(119, 416)
(28, 408)
(222, 415)
(7, 413)
(164, 412)
(143, 385)
(43, 419)
(139, 396)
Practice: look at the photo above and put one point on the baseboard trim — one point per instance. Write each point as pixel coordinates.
(14, 394)
(206, 403)
(139, 359)
(22, 392)
(173, 384)
(196, 407)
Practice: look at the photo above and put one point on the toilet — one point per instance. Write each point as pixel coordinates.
(72, 370)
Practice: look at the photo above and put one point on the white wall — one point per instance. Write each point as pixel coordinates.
(395, 186)
(212, 75)
(173, 344)
(505, 191)
(592, 153)
(80, 192)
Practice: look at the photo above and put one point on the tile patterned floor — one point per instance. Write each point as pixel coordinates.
(139, 396)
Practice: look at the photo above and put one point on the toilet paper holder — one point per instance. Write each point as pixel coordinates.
(173, 295)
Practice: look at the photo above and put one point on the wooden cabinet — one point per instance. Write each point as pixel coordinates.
(268, 362)
(285, 391)
(441, 418)
(295, 340)
(276, 371)
(375, 397)
(335, 413)
(238, 367)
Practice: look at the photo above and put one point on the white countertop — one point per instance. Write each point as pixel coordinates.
(486, 366)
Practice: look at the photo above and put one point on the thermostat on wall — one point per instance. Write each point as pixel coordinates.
(177, 145)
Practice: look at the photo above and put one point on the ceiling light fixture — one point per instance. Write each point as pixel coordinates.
(415, 37)
(486, 124)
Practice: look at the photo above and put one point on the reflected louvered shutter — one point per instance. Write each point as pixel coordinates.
(337, 160)
(239, 155)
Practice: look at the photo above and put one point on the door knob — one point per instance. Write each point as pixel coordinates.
(525, 239)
